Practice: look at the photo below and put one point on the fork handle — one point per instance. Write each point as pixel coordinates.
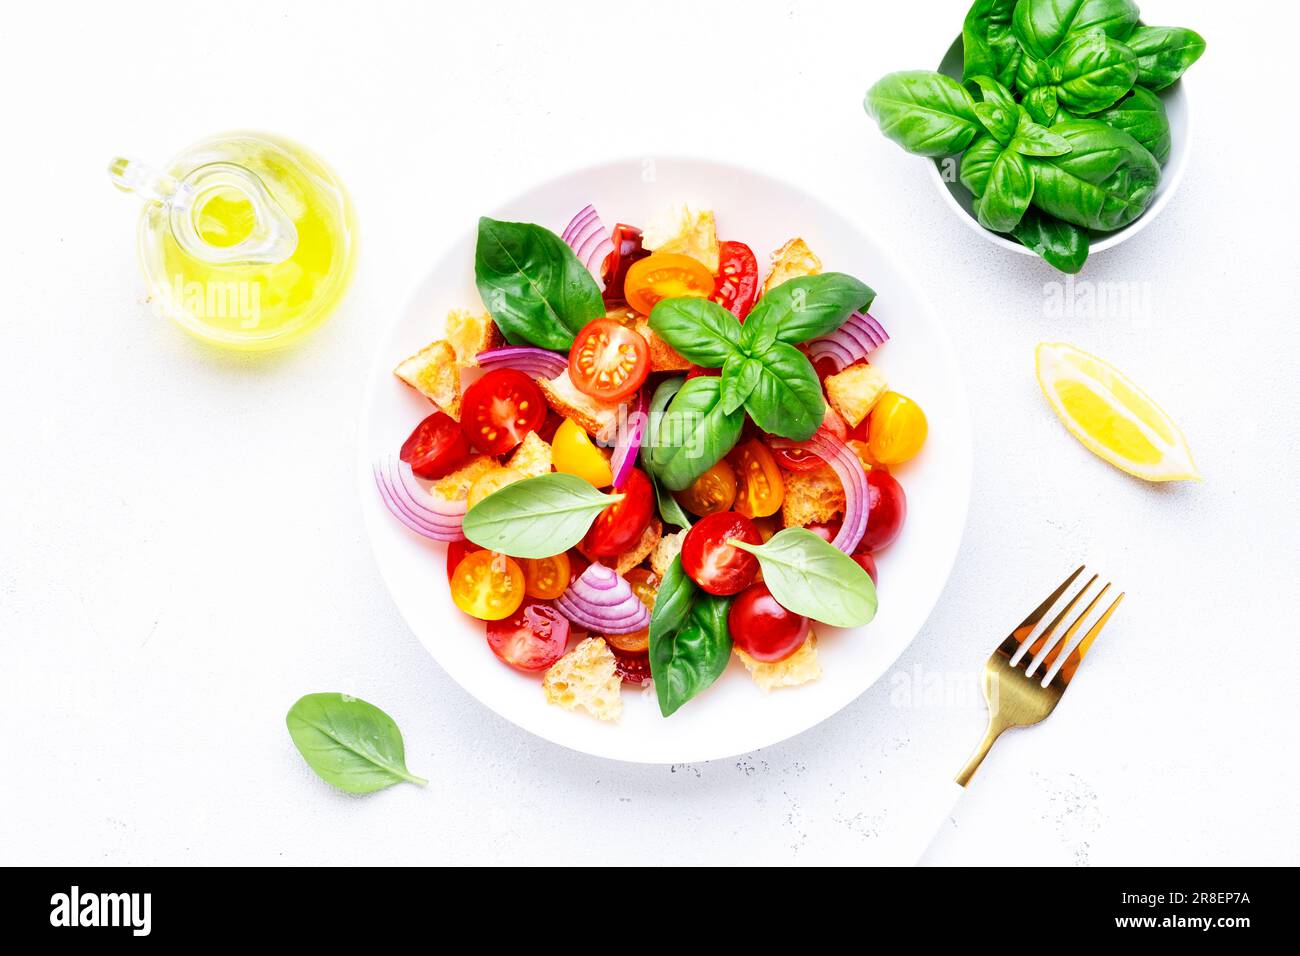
(982, 751)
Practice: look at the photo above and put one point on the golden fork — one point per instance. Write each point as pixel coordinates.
(1015, 694)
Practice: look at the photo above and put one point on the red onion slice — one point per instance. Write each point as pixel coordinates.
(629, 441)
(424, 513)
(855, 339)
(602, 602)
(587, 236)
(848, 468)
(539, 363)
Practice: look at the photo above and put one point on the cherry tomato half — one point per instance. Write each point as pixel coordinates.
(487, 585)
(531, 639)
(796, 459)
(710, 493)
(620, 525)
(868, 564)
(608, 361)
(574, 453)
(546, 578)
(436, 448)
(762, 628)
(735, 287)
(645, 585)
(897, 430)
(886, 509)
(696, 371)
(711, 562)
(633, 668)
(665, 275)
(456, 552)
(500, 409)
(760, 487)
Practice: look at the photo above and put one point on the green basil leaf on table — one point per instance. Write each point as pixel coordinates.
(1041, 105)
(1105, 182)
(659, 401)
(536, 517)
(1164, 53)
(1142, 115)
(804, 308)
(701, 331)
(997, 111)
(1034, 139)
(810, 576)
(349, 743)
(787, 399)
(1042, 26)
(533, 285)
(739, 376)
(1007, 194)
(1059, 244)
(925, 112)
(694, 433)
(989, 47)
(690, 645)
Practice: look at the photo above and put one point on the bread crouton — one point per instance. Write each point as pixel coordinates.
(790, 261)
(492, 481)
(686, 230)
(586, 677)
(663, 357)
(650, 539)
(532, 457)
(455, 487)
(811, 496)
(669, 546)
(598, 418)
(470, 333)
(799, 668)
(855, 391)
(433, 373)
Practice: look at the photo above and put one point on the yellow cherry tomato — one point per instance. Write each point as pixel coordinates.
(546, 578)
(665, 275)
(574, 453)
(487, 585)
(712, 492)
(897, 429)
(761, 489)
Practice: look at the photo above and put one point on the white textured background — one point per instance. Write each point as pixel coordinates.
(183, 553)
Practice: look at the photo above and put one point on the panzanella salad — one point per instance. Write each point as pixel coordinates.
(645, 457)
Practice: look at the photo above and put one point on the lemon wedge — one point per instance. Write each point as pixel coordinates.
(1111, 416)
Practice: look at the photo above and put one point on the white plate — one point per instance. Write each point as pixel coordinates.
(732, 716)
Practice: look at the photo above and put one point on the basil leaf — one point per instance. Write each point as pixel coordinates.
(690, 644)
(670, 509)
(1164, 53)
(1061, 245)
(1042, 25)
(1007, 194)
(694, 433)
(1034, 139)
(349, 743)
(1041, 105)
(803, 308)
(988, 45)
(977, 164)
(1105, 182)
(810, 576)
(739, 376)
(925, 112)
(701, 331)
(998, 111)
(536, 517)
(1142, 115)
(1094, 71)
(533, 285)
(787, 399)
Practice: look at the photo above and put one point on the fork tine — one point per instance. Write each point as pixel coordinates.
(1075, 657)
(1012, 644)
(1064, 642)
(1045, 639)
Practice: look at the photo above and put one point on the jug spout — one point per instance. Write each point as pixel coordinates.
(266, 235)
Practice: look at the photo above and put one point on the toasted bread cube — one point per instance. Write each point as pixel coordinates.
(433, 373)
(799, 668)
(792, 260)
(669, 546)
(663, 357)
(470, 333)
(811, 496)
(855, 391)
(532, 457)
(686, 230)
(492, 481)
(650, 539)
(585, 677)
(598, 418)
(456, 486)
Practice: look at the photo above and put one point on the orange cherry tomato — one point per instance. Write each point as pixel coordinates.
(608, 361)
(897, 430)
(665, 275)
(710, 493)
(546, 578)
(760, 487)
(487, 585)
(645, 585)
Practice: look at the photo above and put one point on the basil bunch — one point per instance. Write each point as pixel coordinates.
(763, 374)
(1056, 116)
(690, 643)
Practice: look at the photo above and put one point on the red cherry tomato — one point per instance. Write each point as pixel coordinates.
(552, 422)
(627, 250)
(608, 361)
(577, 564)
(620, 526)
(633, 668)
(762, 628)
(794, 459)
(437, 447)
(697, 370)
(887, 507)
(500, 409)
(456, 552)
(529, 639)
(713, 564)
(868, 564)
(735, 287)
(826, 530)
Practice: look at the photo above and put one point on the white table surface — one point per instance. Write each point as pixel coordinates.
(183, 553)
